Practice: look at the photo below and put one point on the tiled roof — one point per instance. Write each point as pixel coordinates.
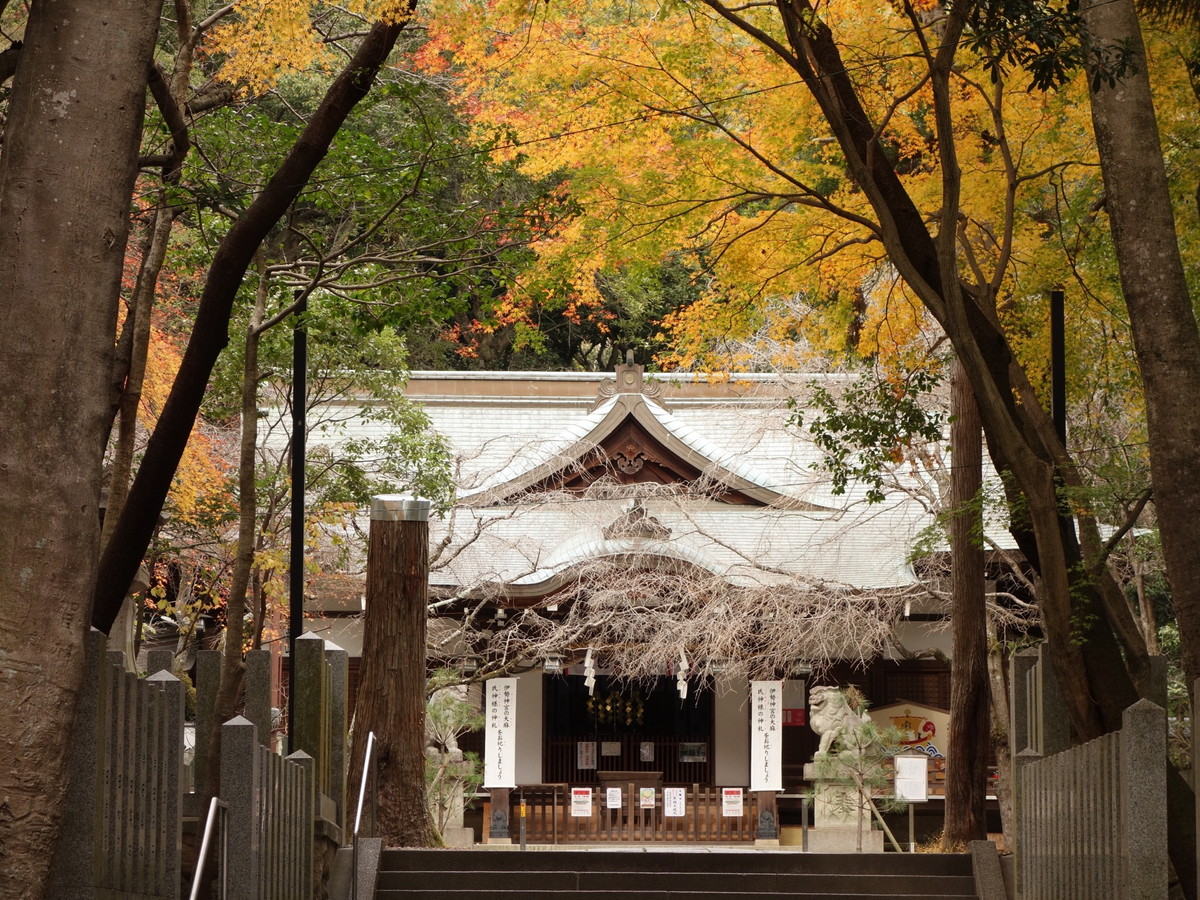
(510, 430)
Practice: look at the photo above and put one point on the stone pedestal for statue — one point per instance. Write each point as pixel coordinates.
(454, 834)
(837, 807)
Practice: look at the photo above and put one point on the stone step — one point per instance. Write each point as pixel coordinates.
(786, 884)
(740, 862)
(484, 893)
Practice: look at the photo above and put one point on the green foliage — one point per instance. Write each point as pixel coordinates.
(624, 313)
(450, 775)
(866, 430)
(1179, 714)
(1043, 39)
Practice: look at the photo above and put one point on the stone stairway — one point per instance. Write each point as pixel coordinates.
(708, 875)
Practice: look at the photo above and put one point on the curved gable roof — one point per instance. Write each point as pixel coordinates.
(687, 456)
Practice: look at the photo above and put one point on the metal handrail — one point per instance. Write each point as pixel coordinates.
(215, 804)
(368, 772)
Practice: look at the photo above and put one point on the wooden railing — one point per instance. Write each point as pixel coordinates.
(549, 818)
(561, 758)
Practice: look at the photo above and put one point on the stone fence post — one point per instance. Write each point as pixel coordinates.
(1144, 800)
(170, 780)
(303, 861)
(1039, 725)
(338, 661)
(240, 786)
(310, 704)
(258, 693)
(208, 679)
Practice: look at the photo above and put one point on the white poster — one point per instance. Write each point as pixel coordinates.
(646, 798)
(731, 802)
(674, 801)
(500, 738)
(612, 798)
(912, 778)
(766, 738)
(585, 755)
(581, 802)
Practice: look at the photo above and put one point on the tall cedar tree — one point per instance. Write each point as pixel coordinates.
(391, 698)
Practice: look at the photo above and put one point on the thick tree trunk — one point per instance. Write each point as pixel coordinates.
(391, 696)
(210, 334)
(966, 766)
(1165, 339)
(66, 176)
(1165, 336)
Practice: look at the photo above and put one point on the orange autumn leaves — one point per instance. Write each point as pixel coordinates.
(675, 131)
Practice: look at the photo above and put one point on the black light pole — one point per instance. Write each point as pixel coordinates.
(1058, 365)
(296, 561)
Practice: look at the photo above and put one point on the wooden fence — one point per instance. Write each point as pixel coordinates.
(550, 817)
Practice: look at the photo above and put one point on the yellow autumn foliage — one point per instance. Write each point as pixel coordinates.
(675, 130)
(200, 489)
(267, 39)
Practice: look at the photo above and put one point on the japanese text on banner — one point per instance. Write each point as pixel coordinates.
(500, 766)
(766, 740)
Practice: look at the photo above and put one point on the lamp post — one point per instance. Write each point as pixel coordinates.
(296, 559)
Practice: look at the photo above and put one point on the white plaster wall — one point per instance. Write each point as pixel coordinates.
(731, 756)
(918, 636)
(529, 727)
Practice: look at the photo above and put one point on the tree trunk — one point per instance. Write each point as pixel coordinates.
(1001, 717)
(391, 695)
(966, 766)
(1165, 335)
(66, 176)
(210, 333)
(233, 666)
(140, 311)
(1165, 339)
(1019, 433)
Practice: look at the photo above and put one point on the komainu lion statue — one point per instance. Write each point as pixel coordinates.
(834, 720)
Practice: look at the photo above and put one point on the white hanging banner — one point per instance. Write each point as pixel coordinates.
(585, 755)
(500, 738)
(766, 738)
